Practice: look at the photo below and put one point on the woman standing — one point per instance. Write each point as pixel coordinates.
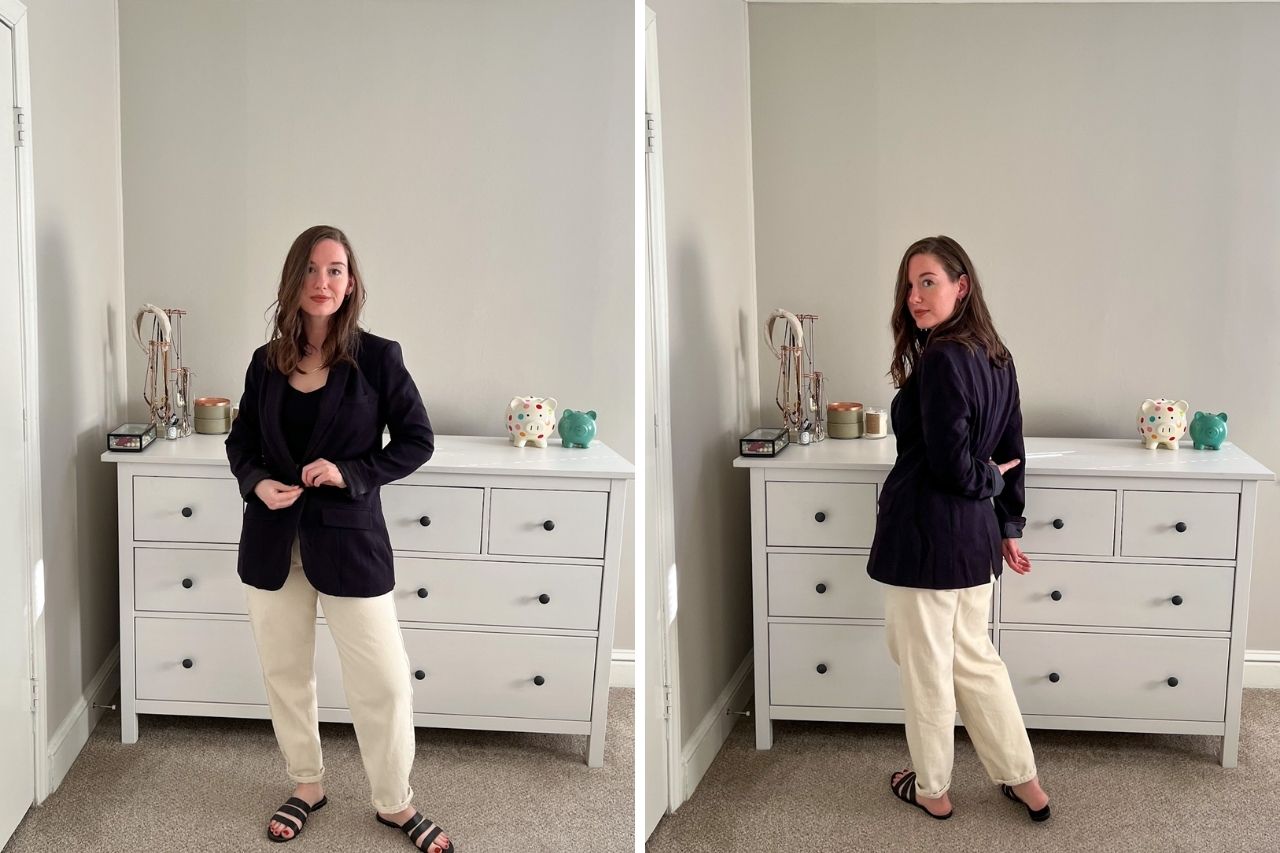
(947, 515)
(307, 451)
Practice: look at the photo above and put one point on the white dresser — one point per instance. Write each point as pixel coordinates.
(1132, 617)
(506, 586)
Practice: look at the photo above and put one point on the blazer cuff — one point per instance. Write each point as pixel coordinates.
(251, 481)
(1012, 530)
(354, 486)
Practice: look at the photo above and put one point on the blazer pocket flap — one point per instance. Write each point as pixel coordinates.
(346, 517)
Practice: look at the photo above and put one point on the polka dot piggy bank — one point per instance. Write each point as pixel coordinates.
(530, 420)
(1162, 422)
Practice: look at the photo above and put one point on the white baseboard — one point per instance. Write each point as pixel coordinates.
(1261, 669)
(73, 733)
(622, 669)
(715, 727)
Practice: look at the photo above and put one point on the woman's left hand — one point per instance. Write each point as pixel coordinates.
(322, 472)
(1015, 558)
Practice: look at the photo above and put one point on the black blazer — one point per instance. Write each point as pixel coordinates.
(943, 508)
(345, 547)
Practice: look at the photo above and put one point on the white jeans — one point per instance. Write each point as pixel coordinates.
(375, 675)
(938, 638)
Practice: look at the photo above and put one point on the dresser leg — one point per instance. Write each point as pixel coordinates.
(764, 726)
(1230, 746)
(595, 749)
(128, 725)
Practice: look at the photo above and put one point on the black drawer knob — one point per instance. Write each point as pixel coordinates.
(548, 525)
(819, 517)
(539, 680)
(187, 663)
(822, 669)
(1058, 524)
(544, 598)
(1181, 527)
(419, 674)
(1173, 681)
(1177, 600)
(422, 592)
(1056, 595)
(186, 512)
(821, 588)
(1054, 677)
(425, 521)
(186, 583)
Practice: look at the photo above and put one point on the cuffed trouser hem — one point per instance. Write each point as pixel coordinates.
(930, 795)
(306, 780)
(1013, 783)
(395, 807)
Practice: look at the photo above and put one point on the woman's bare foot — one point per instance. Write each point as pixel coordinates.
(937, 806)
(310, 793)
(439, 844)
(1032, 794)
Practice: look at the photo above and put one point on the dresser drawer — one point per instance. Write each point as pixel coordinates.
(224, 661)
(1070, 521)
(1121, 595)
(491, 593)
(547, 523)
(186, 509)
(1180, 524)
(859, 672)
(820, 515)
(187, 580)
(446, 519)
(823, 585)
(1115, 675)
(492, 675)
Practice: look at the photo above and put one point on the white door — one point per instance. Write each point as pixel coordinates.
(17, 723)
(662, 791)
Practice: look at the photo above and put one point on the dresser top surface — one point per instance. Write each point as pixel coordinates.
(454, 454)
(1054, 456)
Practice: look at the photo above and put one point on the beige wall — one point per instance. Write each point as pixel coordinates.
(1109, 168)
(479, 155)
(76, 160)
(702, 61)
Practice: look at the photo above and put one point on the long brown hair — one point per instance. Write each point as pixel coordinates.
(289, 336)
(970, 322)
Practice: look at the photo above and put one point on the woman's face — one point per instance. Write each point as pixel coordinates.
(931, 294)
(327, 282)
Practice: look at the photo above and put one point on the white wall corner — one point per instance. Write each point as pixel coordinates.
(622, 668)
(715, 727)
(1261, 669)
(71, 736)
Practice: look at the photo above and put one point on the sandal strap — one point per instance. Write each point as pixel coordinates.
(431, 836)
(292, 808)
(905, 789)
(289, 821)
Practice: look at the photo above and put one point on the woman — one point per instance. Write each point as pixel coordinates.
(308, 454)
(943, 511)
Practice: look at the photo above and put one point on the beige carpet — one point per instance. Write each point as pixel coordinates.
(211, 785)
(824, 787)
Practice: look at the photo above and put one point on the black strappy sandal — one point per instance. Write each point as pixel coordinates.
(905, 790)
(417, 826)
(293, 814)
(1037, 816)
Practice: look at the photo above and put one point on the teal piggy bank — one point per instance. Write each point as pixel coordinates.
(1208, 430)
(576, 428)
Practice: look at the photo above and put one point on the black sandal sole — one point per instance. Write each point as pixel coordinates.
(1038, 815)
(908, 784)
(280, 839)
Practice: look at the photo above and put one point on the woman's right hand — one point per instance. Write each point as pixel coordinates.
(276, 495)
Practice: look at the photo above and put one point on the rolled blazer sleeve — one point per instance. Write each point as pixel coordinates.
(945, 421)
(244, 442)
(1011, 503)
(412, 441)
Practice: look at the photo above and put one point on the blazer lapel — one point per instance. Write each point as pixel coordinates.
(273, 441)
(330, 401)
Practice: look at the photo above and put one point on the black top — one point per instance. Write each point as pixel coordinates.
(298, 418)
(944, 508)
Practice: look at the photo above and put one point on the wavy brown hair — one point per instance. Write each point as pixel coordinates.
(970, 322)
(289, 337)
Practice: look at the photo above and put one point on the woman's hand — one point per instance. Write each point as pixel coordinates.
(322, 472)
(1005, 466)
(276, 495)
(1014, 557)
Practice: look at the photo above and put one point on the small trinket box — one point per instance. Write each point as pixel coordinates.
(763, 442)
(131, 437)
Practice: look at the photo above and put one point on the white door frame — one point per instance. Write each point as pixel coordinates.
(14, 15)
(659, 342)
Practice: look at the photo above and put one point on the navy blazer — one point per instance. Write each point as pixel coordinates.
(944, 508)
(343, 536)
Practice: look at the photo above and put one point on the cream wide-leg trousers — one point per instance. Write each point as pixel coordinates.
(375, 676)
(938, 638)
